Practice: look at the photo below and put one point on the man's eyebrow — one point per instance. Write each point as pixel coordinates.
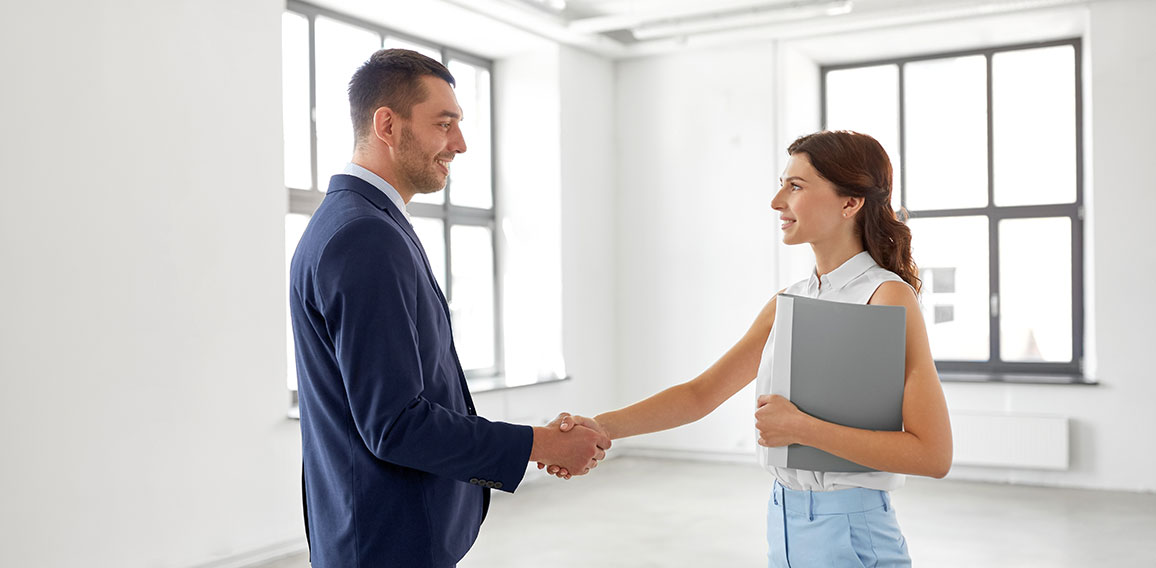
(450, 114)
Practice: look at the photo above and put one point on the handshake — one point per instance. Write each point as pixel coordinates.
(569, 445)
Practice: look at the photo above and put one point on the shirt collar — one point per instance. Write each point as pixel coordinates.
(376, 181)
(851, 269)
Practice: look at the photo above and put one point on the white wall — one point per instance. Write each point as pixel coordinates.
(142, 337)
(555, 179)
(696, 253)
(589, 297)
(686, 291)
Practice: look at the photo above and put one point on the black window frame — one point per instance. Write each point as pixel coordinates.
(996, 369)
(304, 201)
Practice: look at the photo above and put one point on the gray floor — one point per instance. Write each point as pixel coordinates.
(635, 513)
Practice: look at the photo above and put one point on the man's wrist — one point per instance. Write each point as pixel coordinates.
(538, 449)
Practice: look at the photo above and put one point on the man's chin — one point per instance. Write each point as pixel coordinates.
(433, 190)
(433, 185)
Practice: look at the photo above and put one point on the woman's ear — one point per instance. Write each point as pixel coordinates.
(851, 206)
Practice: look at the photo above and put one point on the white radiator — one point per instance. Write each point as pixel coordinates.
(1010, 440)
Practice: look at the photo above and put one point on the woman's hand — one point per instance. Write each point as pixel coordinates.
(778, 421)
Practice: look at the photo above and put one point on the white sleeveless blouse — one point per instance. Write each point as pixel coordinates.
(854, 282)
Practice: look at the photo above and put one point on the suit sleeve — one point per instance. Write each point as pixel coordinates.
(367, 282)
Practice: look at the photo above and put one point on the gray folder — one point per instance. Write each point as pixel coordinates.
(839, 362)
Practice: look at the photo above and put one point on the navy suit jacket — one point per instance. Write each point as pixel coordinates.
(397, 465)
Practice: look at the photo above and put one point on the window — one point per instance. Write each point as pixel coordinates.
(988, 161)
(321, 50)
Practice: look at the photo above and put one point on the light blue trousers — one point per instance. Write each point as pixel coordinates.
(833, 529)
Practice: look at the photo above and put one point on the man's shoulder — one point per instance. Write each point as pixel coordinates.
(349, 210)
(368, 230)
(342, 201)
(343, 227)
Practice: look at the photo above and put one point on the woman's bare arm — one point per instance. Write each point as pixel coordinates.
(687, 402)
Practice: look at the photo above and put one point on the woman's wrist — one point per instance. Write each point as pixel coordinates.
(606, 421)
(808, 429)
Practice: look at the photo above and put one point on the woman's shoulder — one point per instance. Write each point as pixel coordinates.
(796, 288)
(888, 287)
(894, 293)
(880, 274)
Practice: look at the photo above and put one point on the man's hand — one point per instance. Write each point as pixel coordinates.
(778, 421)
(570, 425)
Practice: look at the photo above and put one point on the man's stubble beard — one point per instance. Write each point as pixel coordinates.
(418, 169)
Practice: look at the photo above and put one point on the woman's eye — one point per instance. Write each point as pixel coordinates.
(795, 187)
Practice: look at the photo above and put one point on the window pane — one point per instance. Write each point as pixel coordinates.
(953, 264)
(294, 227)
(393, 42)
(1035, 269)
(946, 105)
(866, 100)
(341, 49)
(470, 180)
(431, 233)
(295, 100)
(1034, 126)
(473, 295)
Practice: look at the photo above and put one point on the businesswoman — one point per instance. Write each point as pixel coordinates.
(835, 195)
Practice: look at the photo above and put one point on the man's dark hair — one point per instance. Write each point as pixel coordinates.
(390, 78)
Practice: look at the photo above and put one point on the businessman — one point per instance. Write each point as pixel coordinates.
(397, 465)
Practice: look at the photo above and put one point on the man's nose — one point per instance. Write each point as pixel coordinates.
(457, 143)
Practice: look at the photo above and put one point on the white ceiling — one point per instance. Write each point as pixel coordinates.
(630, 28)
(622, 28)
(686, 10)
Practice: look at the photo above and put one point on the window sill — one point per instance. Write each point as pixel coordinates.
(497, 383)
(477, 385)
(1017, 378)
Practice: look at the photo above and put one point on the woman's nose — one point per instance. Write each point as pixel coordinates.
(777, 202)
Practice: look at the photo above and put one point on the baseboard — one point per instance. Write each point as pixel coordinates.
(259, 556)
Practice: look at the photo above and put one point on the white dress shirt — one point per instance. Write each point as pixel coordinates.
(854, 282)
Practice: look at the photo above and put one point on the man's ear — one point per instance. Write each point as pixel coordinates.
(385, 127)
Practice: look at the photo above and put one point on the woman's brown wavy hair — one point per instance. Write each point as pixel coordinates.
(857, 166)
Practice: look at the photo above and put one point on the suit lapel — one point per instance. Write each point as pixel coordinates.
(377, 198)
(400, 219)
